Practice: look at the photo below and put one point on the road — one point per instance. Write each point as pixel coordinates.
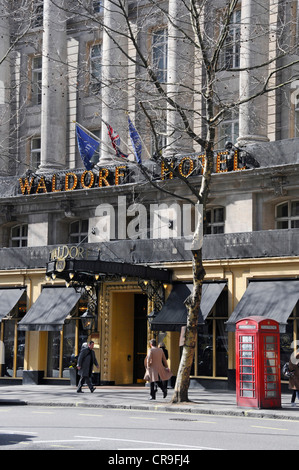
(62, 428)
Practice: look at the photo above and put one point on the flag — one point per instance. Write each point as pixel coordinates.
(136, 141)
(115, 140)
(87, 146)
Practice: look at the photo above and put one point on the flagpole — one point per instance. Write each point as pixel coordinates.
(88, 131)
(93, 136)
(122, 141)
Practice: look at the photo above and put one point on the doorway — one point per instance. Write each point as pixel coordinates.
(140, 337)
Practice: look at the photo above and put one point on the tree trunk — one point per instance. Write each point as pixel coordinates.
(192, 304)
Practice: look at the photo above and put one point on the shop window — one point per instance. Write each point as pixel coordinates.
(13, 342)
(159, 54)
(287, 215)
(215, 220)
(289, 339)
(211, 358)
(78, 231)
(19, 236)
(62, 344)
(36, 80)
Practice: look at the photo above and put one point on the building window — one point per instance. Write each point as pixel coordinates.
(159, 54)
(229, 128)
(230, 57)
(215, 220)
(35, 153)
(159, 141)
(78, 231)
(19, 236)
(96, 156)
(36, 81)
(97, 6)
(297, 119)
(37, 17)
(287, 215)
(95, 61)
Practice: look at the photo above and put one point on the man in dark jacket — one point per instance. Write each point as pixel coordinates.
(86, 360)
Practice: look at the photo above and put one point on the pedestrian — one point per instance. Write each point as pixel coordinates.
(163, 347)
(294, 378)
(86, 361)
(157, 370)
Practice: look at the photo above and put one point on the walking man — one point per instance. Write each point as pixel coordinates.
(157, 371)
(86, 360)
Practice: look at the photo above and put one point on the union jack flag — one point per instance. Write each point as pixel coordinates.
(115, 141)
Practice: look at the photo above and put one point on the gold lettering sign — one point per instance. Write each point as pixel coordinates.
(89, 179)
(66, 181)
(64, 251)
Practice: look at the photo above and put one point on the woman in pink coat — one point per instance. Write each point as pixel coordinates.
(157, 371)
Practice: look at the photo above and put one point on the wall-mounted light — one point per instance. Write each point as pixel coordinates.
(88, 320)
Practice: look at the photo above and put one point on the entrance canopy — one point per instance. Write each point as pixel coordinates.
(274, 299)
(84, 270)
(50, 310)
(173, 314)
(8, 299)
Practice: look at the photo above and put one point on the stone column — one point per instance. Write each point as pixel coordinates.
(5, 88)
(114, 78)
(180, 77)
(253, 52)
(54, 88)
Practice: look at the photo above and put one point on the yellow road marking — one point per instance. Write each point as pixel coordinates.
(268, 427)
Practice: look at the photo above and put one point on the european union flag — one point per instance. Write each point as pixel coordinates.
(136, 141)
(87, 147)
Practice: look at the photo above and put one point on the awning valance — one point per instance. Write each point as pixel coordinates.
(173, 314)
(273, 299)
(8, 299)
(50, 310)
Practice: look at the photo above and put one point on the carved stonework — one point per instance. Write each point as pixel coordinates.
(105, 299)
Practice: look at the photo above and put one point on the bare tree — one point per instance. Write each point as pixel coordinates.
(209, 47)
(188, 64)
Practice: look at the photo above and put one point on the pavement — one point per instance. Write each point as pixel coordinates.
(201, 400)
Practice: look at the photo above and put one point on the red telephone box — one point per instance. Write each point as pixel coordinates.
(258, 363)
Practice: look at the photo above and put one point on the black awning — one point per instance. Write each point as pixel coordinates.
(8, 299)
(273, 299)
(50, 310)
(173, 314)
